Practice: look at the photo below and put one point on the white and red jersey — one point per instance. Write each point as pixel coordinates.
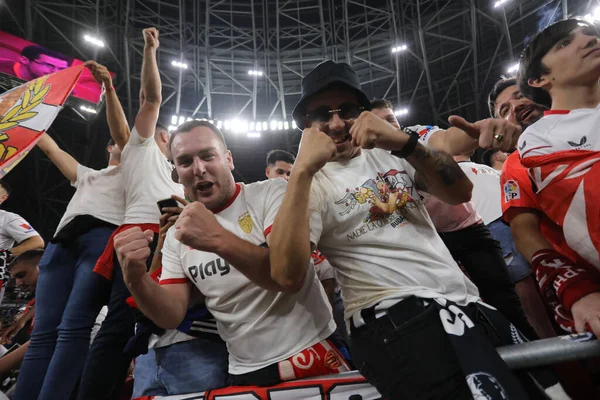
(14, 229)
(561, 153)
(518, 196)
(261, 327)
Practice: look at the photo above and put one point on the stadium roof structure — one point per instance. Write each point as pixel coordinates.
(245, 58)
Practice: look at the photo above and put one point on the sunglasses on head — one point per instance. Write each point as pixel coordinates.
(323, 114)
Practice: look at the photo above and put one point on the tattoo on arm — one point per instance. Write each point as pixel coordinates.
(445, 167)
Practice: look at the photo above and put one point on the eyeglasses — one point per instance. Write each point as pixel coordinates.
(323, 114)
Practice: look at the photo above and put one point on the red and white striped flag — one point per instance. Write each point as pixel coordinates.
(28, 110)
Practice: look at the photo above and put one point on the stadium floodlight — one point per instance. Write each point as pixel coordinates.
(179, 64)
(253, 135)
(593, 17)
(93, 40)
(265, 125)
(171, 128)
(280, 125)
(273, 125)
(174, 120)
(257, 126)
(181, 120)
(499, 3)
(219, 124)
(294, 126)
(251, 126)
(400, 48)
(255, 72)
(401, 111)
(513, 68)
(226, 124)
(286, 125)
(88, 109)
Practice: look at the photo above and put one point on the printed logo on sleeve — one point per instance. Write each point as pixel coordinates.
(511, 191)
(27, 228)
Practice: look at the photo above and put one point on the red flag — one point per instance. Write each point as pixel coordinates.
(28, 110)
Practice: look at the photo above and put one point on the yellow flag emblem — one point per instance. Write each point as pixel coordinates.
(246, 223)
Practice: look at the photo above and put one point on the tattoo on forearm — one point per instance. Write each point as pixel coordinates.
(445, 167)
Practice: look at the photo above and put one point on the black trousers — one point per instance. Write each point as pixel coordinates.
(481, 256)
(406, 354)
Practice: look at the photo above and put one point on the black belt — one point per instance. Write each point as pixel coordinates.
(397, 315)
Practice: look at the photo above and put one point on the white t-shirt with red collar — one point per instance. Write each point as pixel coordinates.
(14, 229)
(147, 178)
(260, 327)
(445, 217)
(370, 222)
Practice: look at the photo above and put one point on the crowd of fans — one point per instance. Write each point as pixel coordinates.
(408, 253)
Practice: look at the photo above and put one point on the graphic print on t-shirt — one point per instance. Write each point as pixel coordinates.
(388, 194)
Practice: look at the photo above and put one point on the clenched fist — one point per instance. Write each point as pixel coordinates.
(100, 73)
(198, 228)
(316, 149)
(132, 248)
(151, 38)
(369, 131)
(492, 133)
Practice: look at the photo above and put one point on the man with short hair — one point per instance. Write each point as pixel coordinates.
(219, 244)
(560, 69)
(35, 61)
(356, 179)
(279, 164)
(24, 270)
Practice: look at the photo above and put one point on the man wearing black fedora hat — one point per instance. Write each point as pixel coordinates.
(417, 326)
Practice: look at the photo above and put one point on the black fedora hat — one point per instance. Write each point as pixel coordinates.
(323, 76)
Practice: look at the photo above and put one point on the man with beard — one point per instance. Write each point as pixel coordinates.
(219, 244)
(354, 193)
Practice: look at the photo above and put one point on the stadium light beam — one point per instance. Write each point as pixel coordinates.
(179, 64)
(513, 68)
(93, 40)
(499, 3)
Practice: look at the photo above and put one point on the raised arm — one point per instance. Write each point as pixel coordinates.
(115, 116)
(166, 305)
(150, 96)
(291, 248)
(63, 160)
(436, 173)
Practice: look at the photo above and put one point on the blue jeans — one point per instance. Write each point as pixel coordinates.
(69, 296)
(186, 367)
(518, 267)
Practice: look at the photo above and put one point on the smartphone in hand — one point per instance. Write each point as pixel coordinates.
(166, 203)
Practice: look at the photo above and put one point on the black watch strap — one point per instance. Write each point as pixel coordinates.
(408, 148)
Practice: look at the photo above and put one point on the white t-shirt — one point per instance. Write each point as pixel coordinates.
(13, 230)
(100, 194)
(379, 254)
(147, 178)
(445, 217)
(260, 327)
(486, 190)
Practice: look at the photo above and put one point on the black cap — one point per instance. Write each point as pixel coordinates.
(324, 75)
